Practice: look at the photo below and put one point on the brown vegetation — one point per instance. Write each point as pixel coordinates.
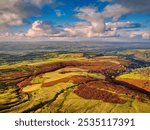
(93, 93)
(24, 72)
(25, 82)
(74, 79)
(141, 84)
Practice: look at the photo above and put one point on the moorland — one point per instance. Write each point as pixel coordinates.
(74, 77)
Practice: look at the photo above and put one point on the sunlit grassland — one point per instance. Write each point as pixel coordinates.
(37, 81)
(139, 74)
(70, 102)
(57, 58)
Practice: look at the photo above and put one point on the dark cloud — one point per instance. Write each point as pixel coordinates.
(121, 25)
(118, 8)
(13, 12)
(135, 5)
(27, 9)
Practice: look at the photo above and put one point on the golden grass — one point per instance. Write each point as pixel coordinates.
(31, 88)
(139, 74)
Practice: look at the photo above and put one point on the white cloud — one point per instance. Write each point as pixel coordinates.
(93, 17)
(121, 25)
(80, 30)
(40, 2)
(41, 29)
(105, 0)
(59, 13)
(8, 13)
(86, 30)
(10, 19)
(94, 25)
(115, 11)
(12, 12)
(144, 35)
(9, 36)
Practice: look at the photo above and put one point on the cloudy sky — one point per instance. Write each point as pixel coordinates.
(75, 19)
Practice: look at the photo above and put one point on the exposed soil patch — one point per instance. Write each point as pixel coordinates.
(92, 93)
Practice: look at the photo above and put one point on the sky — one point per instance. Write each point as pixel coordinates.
(117, 20)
